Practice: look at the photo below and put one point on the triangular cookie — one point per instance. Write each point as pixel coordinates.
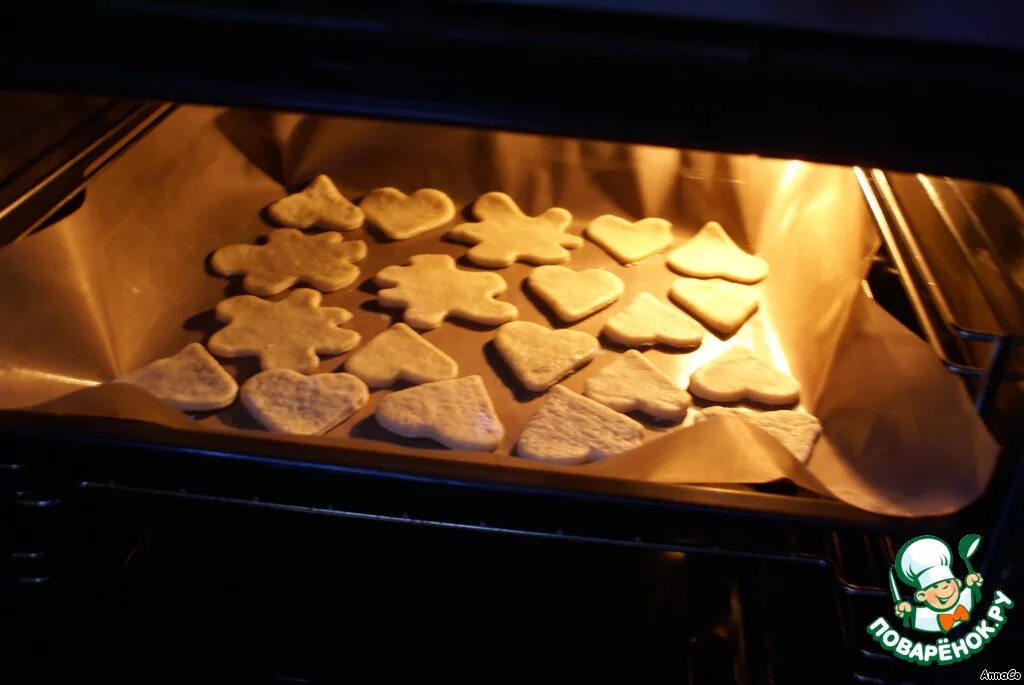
(572, 429)
(712, 253)
(540, 356)
(457, 413)
(400, 353)
(191, 380)
(633, 382)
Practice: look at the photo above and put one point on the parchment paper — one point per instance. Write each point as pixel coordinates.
(124, 280)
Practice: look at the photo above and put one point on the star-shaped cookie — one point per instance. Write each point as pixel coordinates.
(287, 334)
(319, 204)
(324, 261)
(431, 289)
(504, 234)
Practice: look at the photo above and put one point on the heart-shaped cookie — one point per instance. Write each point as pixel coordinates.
(712, 253)
(539, 356)
(286, 401)
(320, 204)
(572, 429)
(633, 382)
(737, 374)
(573, 295)
(457, 413)
(403, 216)
(797, 431)
(721, 305)
(191, 380)
(400, 353)
(630, 242)
(648, 320)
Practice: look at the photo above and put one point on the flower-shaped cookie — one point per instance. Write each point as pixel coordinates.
(324, 261)
(430, 289)
(504, 234)
(287, 334)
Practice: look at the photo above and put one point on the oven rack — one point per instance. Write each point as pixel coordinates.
(966, 300)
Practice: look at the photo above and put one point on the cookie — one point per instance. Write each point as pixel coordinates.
(737, 374)
(504, 234)
(797, 431)
(285, 401)
(720, 305)
(323, 261)
(647, 321)
(400, 353)
(539, 356)
(572, 429)
(321, 205)
(633, 382)
(630, 242)
(287, 334)
(403, 216)
(712, 254)
(431, 289)
(191, 380)
(457, 413)
(573, 295)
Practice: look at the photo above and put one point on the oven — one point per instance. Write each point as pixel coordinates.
(139, 541)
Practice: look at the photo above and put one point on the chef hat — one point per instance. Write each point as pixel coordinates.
(924, 561)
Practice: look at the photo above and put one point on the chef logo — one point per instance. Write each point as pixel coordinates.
(941, 602)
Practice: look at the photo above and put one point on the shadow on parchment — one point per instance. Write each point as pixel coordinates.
(254, 134)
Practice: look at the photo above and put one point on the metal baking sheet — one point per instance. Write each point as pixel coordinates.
(125, 280)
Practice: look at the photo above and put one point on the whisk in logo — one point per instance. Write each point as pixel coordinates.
(941, 603)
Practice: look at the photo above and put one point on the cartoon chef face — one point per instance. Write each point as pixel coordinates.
(941, 596)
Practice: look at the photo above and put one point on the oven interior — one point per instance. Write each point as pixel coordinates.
(172, 555)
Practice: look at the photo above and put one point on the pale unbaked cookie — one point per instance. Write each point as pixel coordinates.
(323, 261)
(320, 204)
(797, 431)
(539, 356)
(287, 334)
(633, 382)
(720, 305)
(285, 401)
(737, 374)
(712, 253)
(573, 295)
(630, 242)
(504, 234)
(572, 429)
(400, 353)
(457, 413)
(403, 216)
(430, 289)
(191, 380)
(648, 320)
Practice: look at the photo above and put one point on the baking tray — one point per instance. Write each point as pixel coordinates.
(125, 280)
